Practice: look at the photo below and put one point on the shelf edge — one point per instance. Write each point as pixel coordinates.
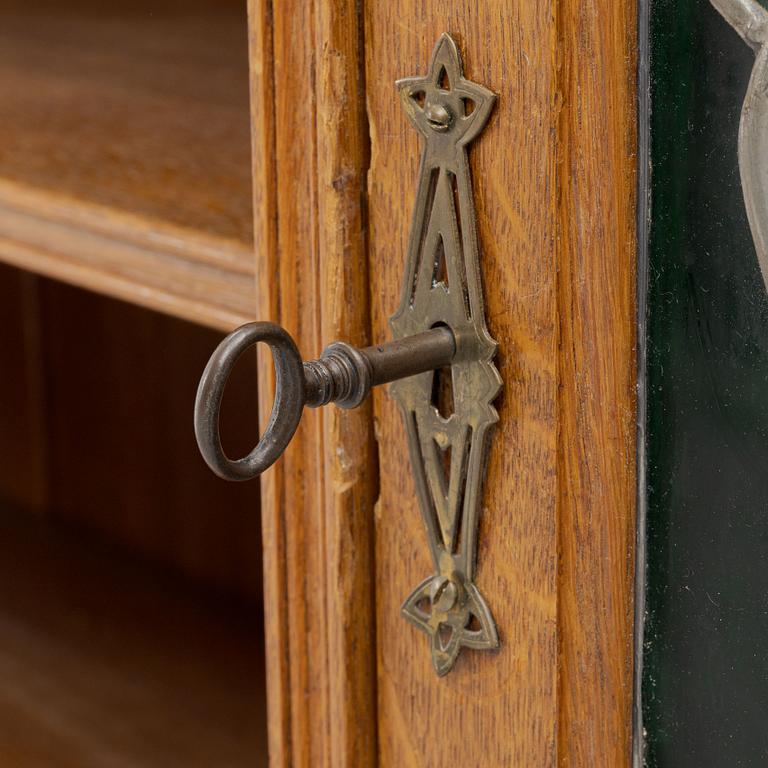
(194, 276)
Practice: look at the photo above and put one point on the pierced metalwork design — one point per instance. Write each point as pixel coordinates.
(750, 20)
(448, 412)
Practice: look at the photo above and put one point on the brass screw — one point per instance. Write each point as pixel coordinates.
(444, 594)
(438, 117)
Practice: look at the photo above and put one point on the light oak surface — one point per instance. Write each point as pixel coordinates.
(139, 106)
(180, 272)
(124, 151)
(310, 154)
(494, 708)
(597, 375)
(554, 182)
(147, 197)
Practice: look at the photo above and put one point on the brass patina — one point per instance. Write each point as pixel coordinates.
(442, 287)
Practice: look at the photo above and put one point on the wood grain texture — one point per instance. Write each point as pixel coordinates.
(273, 533)
(181, 272)
(597, 411)
(349, 458)
(124, 152)
(500, 708)
(309, 127)
(297, 275)
(554, 175)
(137, 106)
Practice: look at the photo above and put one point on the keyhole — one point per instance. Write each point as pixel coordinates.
(442, 391)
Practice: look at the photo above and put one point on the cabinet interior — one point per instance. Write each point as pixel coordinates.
(130, 588)
(125, 161)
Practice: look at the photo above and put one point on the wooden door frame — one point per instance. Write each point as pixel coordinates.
(310, 156)
(311, 160)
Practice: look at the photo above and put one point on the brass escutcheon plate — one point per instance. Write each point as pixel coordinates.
(448, 413)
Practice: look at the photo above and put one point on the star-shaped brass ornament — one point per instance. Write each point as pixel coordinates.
(445, 102)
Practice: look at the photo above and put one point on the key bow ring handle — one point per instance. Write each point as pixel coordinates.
(286, 411)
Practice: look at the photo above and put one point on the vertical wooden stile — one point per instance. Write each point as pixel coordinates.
(310, 156)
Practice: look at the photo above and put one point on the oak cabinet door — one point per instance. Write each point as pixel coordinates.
(335, 169)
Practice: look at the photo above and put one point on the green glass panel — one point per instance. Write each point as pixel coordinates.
(705, 676)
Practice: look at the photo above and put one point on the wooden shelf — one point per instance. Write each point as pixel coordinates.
(108, 661)
(125, 151)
